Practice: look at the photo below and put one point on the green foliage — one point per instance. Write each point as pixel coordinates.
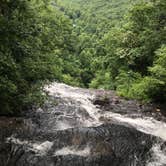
(144, 34)
(103, 80)
(147, 89)
(152, 87)
(158, 70)
(124, 82)
(68, 79)
(117, 52)
(94, 24)
(34, 39)
(82, 43)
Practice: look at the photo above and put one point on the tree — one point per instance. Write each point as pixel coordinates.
(33, 39)
(144, 34)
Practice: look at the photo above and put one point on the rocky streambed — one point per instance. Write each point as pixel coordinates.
(81, 127)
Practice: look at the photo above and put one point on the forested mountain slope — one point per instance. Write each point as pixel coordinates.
(100, 8)
(35, 45)
(120, 44)
(109, 44)
(97, 14)
(92, 23)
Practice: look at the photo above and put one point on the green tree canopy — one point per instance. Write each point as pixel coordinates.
(34, 40)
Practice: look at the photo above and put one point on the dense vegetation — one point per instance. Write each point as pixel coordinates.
(35, 45)
(110, 44)
(121, 45)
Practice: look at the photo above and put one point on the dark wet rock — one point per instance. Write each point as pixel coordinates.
(101, 100)
(109, 101)
(109, 144)
(57, 133)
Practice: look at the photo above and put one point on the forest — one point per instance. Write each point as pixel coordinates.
(101, 44)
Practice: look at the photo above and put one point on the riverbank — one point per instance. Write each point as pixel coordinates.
(109, 100)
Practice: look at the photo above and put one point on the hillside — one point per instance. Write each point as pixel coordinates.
(97, 13)
(99, 8)
(118, 42)
(110, 44)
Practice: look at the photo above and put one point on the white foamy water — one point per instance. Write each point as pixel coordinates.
(81, 97)
(71, 150)
(42, 147)
(147, 125)
(63, 125)
(158, 156)
(39, 148)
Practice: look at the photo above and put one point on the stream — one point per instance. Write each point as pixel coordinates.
(84, 127)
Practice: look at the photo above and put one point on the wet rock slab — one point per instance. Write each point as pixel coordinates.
(109, 101)
(79, 127)
(105, 145)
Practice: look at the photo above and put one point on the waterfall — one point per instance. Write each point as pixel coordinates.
(71, 130)
(145, 124)
(84, 99)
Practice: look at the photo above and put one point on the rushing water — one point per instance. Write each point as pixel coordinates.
(145, 124)
(74, 126)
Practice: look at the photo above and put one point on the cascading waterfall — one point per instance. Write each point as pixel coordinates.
(74, 126)
(82, 98)
(147, 124)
